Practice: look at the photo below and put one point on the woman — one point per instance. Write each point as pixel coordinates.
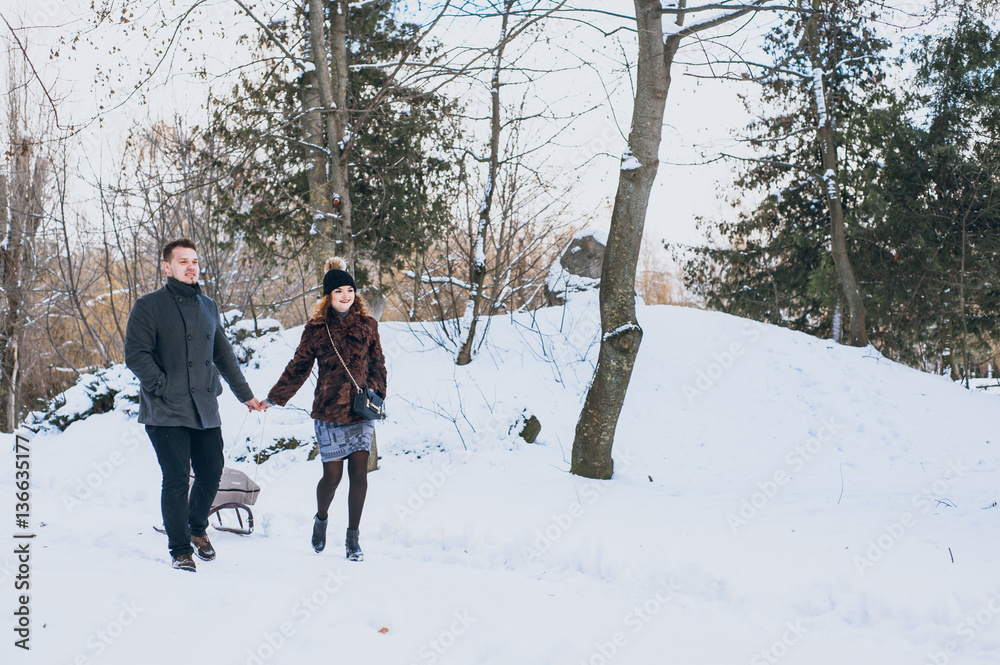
(340, 318)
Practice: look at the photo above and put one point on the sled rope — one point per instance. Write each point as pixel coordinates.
(260, 441)
(236, 438)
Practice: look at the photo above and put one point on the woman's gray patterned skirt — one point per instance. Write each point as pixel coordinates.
(337, 441)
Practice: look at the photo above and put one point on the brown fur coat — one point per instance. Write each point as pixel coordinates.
(356, 336)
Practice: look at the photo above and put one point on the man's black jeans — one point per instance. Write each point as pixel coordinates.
(180, 450)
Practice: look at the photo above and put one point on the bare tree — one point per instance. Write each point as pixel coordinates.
(477, 266)
(22, 205)
(622, 335)
(515, 21)
(534, 220)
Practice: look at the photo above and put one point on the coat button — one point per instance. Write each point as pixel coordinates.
(207, 336)
(190, 364)
(190, 337)
(192, 390)
(206, 363)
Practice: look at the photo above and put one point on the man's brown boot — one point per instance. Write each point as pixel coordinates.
(203, 548)
(184, 562)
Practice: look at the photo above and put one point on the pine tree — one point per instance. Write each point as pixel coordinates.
(920, 187)
(935, 226)
(777, 263)
(401, 177)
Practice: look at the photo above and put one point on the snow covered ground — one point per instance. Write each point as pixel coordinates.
(777, 498)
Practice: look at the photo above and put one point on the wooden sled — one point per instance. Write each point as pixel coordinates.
(237, 492)
(231, 507)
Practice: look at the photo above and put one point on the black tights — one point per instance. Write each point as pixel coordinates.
(333, 472)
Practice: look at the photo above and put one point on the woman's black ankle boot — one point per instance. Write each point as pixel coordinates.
(319, 533)
(354, 552)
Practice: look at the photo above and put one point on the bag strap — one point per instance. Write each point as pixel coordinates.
(356, 386)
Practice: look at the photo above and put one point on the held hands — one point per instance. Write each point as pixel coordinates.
(255, 404)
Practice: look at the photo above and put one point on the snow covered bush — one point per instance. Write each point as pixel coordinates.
(113, 388)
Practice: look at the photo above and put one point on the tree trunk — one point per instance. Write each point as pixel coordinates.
(838, 321)
(838, 239)
(317, 172)
(21, 211)
(966, 360)
(9, 271)
(9, 366)
(622, 335)
(329, 193)
(10, 268)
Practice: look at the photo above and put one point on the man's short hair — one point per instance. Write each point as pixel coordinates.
(169, 248)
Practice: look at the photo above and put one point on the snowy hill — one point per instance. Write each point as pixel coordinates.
(777, 498)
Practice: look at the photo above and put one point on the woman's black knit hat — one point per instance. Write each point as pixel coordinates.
(336, 276)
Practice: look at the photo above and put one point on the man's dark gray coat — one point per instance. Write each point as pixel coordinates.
(173, 343)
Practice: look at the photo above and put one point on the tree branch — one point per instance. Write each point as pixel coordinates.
(273, 37)
(34, 72)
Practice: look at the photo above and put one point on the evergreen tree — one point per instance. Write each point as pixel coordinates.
(401, 178)
(935, 221)
(776, 263)
(920, 187)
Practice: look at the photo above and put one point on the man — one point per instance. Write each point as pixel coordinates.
(174, 343)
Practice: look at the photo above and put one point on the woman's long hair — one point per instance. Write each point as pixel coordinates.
(322, 308)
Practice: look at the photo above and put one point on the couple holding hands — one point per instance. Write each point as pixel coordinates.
(175, 345)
